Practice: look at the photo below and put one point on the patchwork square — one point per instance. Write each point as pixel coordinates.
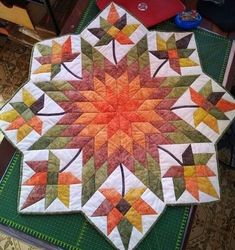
(189, 173)
(51, 181)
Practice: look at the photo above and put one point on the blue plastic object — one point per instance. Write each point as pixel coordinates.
(188, 20)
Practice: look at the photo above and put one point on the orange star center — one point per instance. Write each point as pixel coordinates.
(119, 112)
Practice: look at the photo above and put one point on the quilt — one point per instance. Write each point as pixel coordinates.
(117, 123)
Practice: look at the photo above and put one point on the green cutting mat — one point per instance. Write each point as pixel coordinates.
(73, 231)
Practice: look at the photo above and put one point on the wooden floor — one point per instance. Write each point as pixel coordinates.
(207, 24)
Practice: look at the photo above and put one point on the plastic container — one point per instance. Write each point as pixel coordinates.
(188, 20)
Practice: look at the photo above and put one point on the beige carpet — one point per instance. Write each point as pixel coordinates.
(14, 66)
(214, 224)
(1, 103)
(10, 243)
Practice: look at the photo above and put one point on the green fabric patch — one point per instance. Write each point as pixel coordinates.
(88, 190)
(55, 69)
(170, 43)
(55, 131)
(101, 175)
(104, 24)
(142, 46)
(132, 56)
(88, 170)
(206, 90)
(189, 131)
(42, 143)
(202, 159)
(143, 60)
(55, 85)
(186, 80)
(57, 96)
(125, 230)
(87, 63)
(27, 114)
(51, 194)
(60, 142)
(105, 40)
(179, 81)
(185, 53)
(218, 114)
(150, 176)
(44, 49)
(86, 49)
(52, 178)
(142, 173)
(20, 107)
(179, 186)
(196, 136)
(98, 58)
(46, 86)
(178, 137)
(176, 92)
(51, 143)
(88, 177)
(171, 81)
(53, 163)
(63, 85)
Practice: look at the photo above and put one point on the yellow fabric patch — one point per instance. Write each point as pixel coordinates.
(205, 186)
(134, 218)
(63, 194)
(211, 122)
(133, 194)
(186, 62)
(129, 29)
(46, 68)
(161, 44)
(9, 116)
(189, 171)
(28, 99)
(56, 48)
(113, 31)
(23, 131)
(199, 116)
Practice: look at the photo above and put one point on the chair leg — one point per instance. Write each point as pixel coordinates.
(49, 8)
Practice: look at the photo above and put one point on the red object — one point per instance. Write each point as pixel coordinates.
(149, 12)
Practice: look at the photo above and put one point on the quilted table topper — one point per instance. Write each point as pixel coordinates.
(116, 123)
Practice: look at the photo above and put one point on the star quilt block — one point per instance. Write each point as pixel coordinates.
(116, 123)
